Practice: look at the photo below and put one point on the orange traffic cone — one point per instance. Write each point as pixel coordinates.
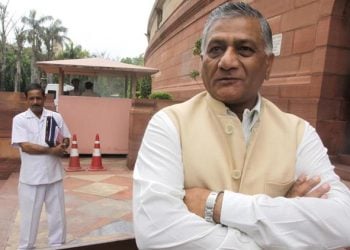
(96, 160)
(74, 161)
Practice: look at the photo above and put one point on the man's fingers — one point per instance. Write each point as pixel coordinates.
(302, 186)
(320, 192)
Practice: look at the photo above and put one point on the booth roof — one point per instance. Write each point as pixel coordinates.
(93, 66)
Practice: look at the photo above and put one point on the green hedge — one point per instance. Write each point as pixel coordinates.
(160, 95)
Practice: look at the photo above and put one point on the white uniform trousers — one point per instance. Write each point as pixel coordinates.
(31, 200)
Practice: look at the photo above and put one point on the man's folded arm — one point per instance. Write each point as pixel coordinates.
(300, 222)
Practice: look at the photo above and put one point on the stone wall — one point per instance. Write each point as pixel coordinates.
(141, 112)
(10, 105)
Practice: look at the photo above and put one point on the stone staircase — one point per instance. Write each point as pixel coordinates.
(342, 166)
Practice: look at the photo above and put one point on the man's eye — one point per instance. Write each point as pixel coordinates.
(215, 51)
(246, 51)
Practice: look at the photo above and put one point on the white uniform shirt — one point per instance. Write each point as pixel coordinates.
(162, 220)
(41, 168)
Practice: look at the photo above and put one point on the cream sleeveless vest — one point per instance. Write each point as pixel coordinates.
(215, 155)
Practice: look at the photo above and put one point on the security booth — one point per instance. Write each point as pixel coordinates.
(106, 114)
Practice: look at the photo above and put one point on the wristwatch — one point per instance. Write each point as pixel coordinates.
(209, 207)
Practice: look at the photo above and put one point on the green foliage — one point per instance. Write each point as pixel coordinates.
(11, 69)
(144, 87)
(135, 60)
(194, 73)
(160, 95)
(110, 86)
(196, 52)
(197, 47)
(72, 51)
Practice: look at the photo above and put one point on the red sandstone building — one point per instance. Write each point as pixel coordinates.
(311, 72)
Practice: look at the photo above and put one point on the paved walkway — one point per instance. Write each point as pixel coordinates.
(98, 206)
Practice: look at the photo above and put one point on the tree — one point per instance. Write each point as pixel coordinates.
(135, 60)
(33, 32)
(20, 38)
(6, 27)
(144, 84)
(53, 35)
(72, 51)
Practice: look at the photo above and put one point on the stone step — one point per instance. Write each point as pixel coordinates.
(9, 207)
(344, 159)
(343, 171)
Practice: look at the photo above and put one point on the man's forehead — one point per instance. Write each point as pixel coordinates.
(242, 28)
(35, 92)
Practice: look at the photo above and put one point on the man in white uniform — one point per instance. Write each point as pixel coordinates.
(41, 173)
(227, 169)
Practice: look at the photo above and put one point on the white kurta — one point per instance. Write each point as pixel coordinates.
(43, 168)
(162, 220)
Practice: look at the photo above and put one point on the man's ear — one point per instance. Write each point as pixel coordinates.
(269, 61)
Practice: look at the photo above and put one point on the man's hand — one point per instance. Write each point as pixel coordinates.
(58, 150)
(303, 185)
(195, 199)
(66, 142)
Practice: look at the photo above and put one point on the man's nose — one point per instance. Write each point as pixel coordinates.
(36, 100)
(229, 59)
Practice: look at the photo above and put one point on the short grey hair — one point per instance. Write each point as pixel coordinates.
(233, 10)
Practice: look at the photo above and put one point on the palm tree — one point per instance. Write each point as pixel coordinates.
(33, 32)
(20, 38)
(53, 35)
(72, 51)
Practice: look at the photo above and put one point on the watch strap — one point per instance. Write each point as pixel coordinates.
(209, 207)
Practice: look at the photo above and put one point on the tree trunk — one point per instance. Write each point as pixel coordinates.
(2, 85)
(34, 76)
(3, 70)
(18, 75)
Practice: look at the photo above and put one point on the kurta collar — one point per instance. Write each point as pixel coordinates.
(29, 114)
(220, 107)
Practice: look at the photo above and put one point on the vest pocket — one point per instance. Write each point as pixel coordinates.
(275, 189)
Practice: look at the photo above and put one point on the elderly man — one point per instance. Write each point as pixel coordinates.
(227, 169)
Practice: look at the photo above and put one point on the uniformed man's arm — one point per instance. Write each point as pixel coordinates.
(31, 148)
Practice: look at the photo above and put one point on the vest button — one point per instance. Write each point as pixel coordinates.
(229, 129)
(236, 174)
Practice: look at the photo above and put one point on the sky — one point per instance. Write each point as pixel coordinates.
(114, 27)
